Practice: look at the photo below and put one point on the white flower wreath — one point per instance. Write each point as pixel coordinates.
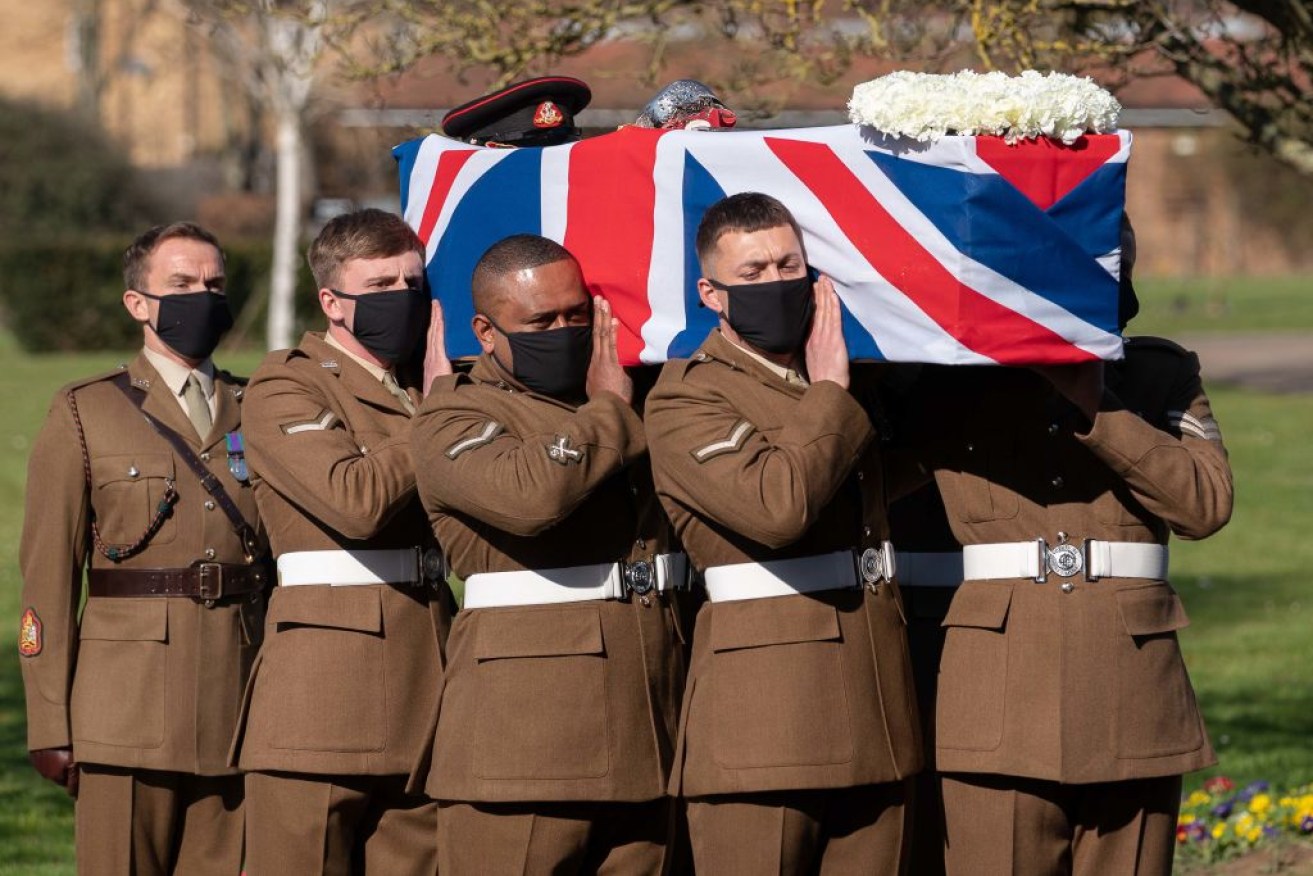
(927, 106)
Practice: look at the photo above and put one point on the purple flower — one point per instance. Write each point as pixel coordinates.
(1222, 811)
(1197, 831)
(1271, 831)
(1306, 824)
(1251, 789)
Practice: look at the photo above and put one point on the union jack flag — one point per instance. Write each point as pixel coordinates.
(964, 251)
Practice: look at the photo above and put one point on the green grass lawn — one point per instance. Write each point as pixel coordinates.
(1247, 589)
(1174, 307)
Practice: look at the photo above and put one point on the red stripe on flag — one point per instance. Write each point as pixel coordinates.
(610, 225)
(1046, 170)
(975, 320)
(449, 164)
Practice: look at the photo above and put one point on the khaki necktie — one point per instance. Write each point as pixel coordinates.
(390, 384)
(198, 409)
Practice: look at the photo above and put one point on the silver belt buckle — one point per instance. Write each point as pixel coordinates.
(432, 567)
(640, 577)
(1063, 559)
(876, 564)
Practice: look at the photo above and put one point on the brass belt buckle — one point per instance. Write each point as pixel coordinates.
(209, 583)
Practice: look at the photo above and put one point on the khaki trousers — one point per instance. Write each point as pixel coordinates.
(526, 839)
(146, 822)
(337, 825)
(830, 832)
(998, 825)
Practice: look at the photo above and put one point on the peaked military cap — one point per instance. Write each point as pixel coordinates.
(536, 112)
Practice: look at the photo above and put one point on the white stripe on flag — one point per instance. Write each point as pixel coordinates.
(554, 200)
(665, 276)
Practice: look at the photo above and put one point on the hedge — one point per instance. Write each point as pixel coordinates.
(67, 295)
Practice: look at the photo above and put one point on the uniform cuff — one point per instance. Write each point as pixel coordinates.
(830, 409)
(1119, 437)
(621, 428)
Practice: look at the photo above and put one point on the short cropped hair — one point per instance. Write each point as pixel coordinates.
(136, 258)
(519, 252)
(746, 212)
(363, 234)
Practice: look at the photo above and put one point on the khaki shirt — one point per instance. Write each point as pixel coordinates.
(1086, 683)
(573, 701)
(786, 692)
(349, 675)
(149, 682)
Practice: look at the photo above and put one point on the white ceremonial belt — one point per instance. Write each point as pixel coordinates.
(837, 571)
(355, 568)
(662, 573)
(930, 568)
(1036, 560)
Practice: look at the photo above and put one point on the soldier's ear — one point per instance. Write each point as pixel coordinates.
(484, 331)
(331, 306)
(708, 296)
(137, 305)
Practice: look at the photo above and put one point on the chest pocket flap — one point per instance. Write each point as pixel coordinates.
(980, 606)
(755, 623)
(342, 608)
(552, 632)
(130, 467)
(126, 620)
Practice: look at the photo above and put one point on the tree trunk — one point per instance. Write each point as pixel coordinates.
(287, 230)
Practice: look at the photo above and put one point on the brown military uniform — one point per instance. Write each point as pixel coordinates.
(145, 688)
(563, 714)
(788, 693)
(1072, 682)
(348, 675)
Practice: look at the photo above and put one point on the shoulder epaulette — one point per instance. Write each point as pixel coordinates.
(675, 369)
(70, 388)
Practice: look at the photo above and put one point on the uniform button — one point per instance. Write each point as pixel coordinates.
(1053, 428)
(1057, 482)
(642, 545)
(1067, 587)
(205, 457)
(861, 476)
(866, 531)
(209, 553)
(133, 471)
(209, 505)
(970, 448)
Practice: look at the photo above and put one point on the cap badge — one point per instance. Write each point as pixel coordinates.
(548, 115)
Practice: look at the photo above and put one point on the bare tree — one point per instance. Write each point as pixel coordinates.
(1252, 58)
(278, 49)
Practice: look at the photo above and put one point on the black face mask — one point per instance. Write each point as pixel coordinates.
(773, 316)
(191, 323)
(552, 362)
(389, 324)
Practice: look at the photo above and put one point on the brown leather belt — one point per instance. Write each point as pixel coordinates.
(207, 581)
